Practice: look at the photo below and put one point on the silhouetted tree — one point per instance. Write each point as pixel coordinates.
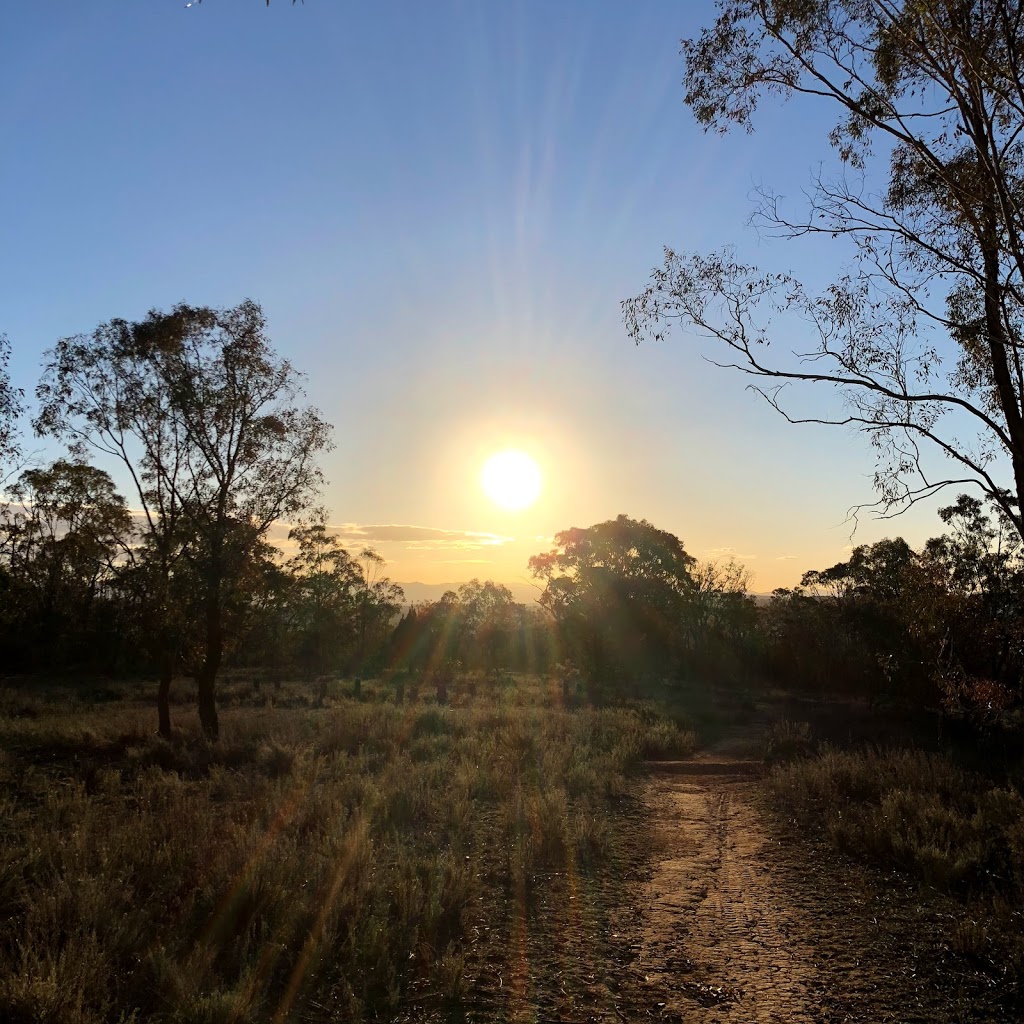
(943, 626)
(324, 580)
(10, 410)
(979, 625)
(377, 602)
(487, 623)
(721, 617)
(439, 629)
(922, 337)
(210, 425)
(619, 592)
(267, 637)
(59, 542)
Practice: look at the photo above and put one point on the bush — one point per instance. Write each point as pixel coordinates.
(786, 741)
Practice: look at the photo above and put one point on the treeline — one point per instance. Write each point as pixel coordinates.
(623, 606)
(942, 626)
(211, 431)
(75, 584)
(76, 578)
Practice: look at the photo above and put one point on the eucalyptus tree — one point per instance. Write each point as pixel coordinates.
(378, 602)
(921, 333)
(323, 582)
(620, 592)
(488, 622)
(61, 541)
(211, 427)
(10, 409)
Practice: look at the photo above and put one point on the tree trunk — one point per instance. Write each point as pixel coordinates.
(163, 697)
(206, 681)
(206, 684)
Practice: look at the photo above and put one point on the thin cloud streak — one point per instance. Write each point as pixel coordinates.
(417, 537)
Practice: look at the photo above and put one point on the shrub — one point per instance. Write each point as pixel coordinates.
(908, 809)
(786, 741)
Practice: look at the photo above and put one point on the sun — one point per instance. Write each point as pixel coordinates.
(511, 479)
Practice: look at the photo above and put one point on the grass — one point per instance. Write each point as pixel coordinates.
(332, 858)
(954, 830)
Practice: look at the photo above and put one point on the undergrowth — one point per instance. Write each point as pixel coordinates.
(332, 862)
(920, 813)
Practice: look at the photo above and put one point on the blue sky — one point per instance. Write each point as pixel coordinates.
(440, 207)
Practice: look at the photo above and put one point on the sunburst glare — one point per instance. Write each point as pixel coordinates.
(511, 479)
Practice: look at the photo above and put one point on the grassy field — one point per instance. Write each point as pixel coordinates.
(333, 857)
(959, 833)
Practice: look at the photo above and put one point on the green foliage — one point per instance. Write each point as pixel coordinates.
(629, 604)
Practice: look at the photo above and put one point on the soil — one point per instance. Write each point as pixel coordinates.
(723, 914)
(736, 920)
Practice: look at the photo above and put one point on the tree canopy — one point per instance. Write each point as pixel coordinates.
(10, 409)
(212, 429)
(618, 589)
(921, 333)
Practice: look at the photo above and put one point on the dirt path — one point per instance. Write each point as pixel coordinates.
(723, 914)
(719, 930)
(732, 923)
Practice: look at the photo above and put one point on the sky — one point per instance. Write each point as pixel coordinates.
(440, 208)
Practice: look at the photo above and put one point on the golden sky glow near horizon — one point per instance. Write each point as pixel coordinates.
(449, 268)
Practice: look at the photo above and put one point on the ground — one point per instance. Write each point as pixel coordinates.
(729, 916)
(507, 858)
(736, 919)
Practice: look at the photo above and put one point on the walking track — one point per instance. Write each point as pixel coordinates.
(727, 917)
(733, 924)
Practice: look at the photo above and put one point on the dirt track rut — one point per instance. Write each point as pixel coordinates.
(734, 922)
(719, 930)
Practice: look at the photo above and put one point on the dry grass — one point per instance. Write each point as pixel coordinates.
(320, 862)
(951, 829)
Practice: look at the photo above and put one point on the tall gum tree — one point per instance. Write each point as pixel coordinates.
(11, 407)
(921, 333)
(211, 427)
(619, 592)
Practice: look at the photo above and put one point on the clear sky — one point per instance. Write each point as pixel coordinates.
(439, 207)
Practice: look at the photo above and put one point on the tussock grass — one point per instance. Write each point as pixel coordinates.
(952, 829)
(785, 740)
(910, 809)
(317, 863)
